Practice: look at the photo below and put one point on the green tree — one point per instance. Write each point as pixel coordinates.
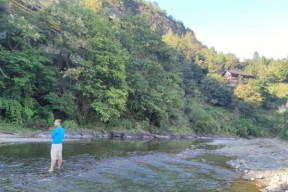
(248, 94)
(171, 38)
(154, 91)
(216, 91)
(94, 53)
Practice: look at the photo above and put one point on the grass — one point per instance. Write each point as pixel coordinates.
(12, 128)
(69, 125)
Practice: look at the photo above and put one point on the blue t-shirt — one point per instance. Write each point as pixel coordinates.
(57, 135)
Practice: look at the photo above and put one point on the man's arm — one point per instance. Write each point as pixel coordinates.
(54, 133)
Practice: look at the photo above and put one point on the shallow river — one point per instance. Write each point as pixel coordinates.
(118, 166)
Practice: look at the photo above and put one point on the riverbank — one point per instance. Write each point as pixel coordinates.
(37, 136)
(261, 160)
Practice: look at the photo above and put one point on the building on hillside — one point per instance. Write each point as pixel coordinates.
(233, 77)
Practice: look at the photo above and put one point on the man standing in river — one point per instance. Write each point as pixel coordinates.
(56, 148)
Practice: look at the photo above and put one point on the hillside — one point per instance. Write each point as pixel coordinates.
(127, 65)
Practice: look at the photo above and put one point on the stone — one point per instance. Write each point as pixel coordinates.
(234, 163)
(162, 136)
(187, 137)
(115, 134)
(260, 176)
(237, 166)
(204, 160)
(248, 178)
(175, 136)
(128, 137)
(276, 178)
(147, 137)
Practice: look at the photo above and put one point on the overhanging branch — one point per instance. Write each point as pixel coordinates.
(6, 76)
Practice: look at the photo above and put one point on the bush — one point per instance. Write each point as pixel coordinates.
(216, 92)
(128, 124)
(11, 110)
(200, 118)
(245, 109)
(38, 124)
(70, 124)
(51, 118)
(246, 93)
(283, 124)
(245, 128)
(64, 103)
(143, 125)
(28, 113)
(123, 124)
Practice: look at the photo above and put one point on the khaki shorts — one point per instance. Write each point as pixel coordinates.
(56, 151)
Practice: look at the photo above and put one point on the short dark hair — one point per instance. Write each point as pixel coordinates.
(59, 120)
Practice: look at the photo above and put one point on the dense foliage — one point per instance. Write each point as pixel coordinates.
(126, 64)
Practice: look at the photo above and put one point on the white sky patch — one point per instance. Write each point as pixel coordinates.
(271, 44)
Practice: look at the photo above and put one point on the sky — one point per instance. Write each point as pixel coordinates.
(236, 26)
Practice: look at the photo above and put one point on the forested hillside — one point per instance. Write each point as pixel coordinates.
(126, 65)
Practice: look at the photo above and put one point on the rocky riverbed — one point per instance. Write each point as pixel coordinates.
(262, 161)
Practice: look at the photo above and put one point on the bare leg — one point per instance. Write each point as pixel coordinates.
(59, 163)
(53, 162)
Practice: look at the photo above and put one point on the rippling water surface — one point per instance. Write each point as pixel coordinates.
(118, 166)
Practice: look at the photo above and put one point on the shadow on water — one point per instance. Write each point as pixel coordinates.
(113, 165)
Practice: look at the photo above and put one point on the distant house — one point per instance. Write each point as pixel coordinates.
(233, 77)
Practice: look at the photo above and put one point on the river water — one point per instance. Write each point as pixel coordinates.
(118, 166)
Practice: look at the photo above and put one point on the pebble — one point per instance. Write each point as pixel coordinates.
(237, 166)
(248, 178)
(260, 176)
